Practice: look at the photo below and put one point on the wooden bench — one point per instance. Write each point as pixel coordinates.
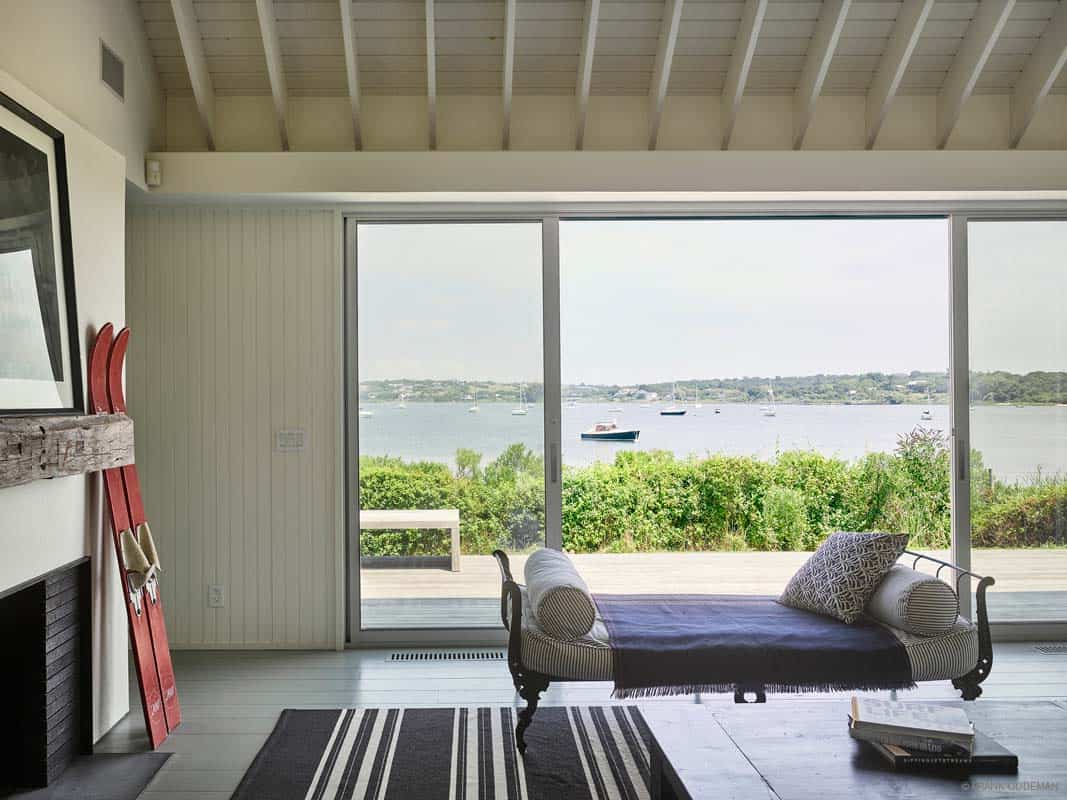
(403, 519)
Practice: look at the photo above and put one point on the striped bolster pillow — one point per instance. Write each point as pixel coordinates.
(558, 596)
(915, 602)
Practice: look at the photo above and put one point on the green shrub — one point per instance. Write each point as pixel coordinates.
(786, 517)
(647, 501)
(1026, 518)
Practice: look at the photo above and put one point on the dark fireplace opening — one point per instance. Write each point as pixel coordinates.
(45, 676)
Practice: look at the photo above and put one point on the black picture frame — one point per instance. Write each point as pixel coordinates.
(65, 264)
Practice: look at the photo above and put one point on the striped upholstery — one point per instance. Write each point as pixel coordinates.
(915, 602)
(585, 659)
(938, 658)
(559, 597)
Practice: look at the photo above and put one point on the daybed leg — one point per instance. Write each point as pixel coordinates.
(968, 686)
(530, 691)
(758, 690)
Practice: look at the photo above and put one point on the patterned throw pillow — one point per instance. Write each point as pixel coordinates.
(840, 577)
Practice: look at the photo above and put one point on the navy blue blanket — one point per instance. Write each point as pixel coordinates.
(683, 644)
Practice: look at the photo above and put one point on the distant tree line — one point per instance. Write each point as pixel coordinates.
(866, 388)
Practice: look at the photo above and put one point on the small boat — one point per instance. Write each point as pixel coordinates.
(696, 400)
(926, 415)
(366, 412)
(769, 410)
(474, 409)
(610, 432)
(402, 401)
(673, 410)
(615, 410)
(522, 409)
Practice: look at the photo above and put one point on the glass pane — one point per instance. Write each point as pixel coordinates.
(1017, 280)
(450, 417)
(736, 390)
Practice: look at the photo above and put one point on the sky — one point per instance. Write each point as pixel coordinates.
(661, 300)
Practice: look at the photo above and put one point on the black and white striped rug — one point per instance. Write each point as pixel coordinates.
(451, 754)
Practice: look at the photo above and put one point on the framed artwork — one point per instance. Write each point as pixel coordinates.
(40, 363)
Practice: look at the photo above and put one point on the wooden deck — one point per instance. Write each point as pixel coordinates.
(1031, 584)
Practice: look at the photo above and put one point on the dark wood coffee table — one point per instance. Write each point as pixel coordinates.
(791, 749)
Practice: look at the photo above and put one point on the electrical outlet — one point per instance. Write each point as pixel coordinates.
(216, 595)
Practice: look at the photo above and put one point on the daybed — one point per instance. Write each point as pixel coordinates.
(961, 653)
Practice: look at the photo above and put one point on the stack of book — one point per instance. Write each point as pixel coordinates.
(926, 735)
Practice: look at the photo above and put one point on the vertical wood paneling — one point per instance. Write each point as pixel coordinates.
(233, 314)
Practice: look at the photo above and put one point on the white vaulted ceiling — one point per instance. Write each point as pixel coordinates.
(803, 48)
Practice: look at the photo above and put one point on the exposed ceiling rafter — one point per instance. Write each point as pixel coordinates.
(740, 64)
(906, 32)
(196, 63)
(661, 73)
(348, 34)
(431, 75)
(1040, 73)
(509, 67)
(585, 69)
(816, 65)
(970, 60)
(272, 49)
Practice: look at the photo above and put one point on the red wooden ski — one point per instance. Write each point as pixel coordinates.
(157, 625)
(140, 635)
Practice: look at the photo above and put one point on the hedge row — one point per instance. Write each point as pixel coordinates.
(653, 501)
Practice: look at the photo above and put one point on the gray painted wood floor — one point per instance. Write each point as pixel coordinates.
(231, 700)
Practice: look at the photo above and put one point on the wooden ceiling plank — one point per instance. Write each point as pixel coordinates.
(348, 35)
(196, 63)
(585, 69)
(1040, 74)
(431, 75)
(661, 74)
(982, 35)
(740, 63)
(509, 67)
(268, 28)
(816, 65)
(894, 64)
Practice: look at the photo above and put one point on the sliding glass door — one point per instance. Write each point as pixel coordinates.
(1017, 283)
(734, 390)
(693, 405)
(446, 401)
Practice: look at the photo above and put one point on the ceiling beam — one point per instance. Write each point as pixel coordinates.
(906, 32)
(982, 35)
(740, 64)
(431, 75)
(1040, 73)
(816, 65)
(272, 49)
(661, 73)
(348, 34)
(509, 66)
(585, 69)
(196, 63)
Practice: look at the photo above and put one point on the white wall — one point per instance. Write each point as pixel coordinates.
(53, 48)
(235, 317)
(49, 523)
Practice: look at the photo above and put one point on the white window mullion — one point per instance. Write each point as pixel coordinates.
(553, 408)
(959, 402)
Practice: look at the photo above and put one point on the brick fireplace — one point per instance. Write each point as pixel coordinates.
(45, 676)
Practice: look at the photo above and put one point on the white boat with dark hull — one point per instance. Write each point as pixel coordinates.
(673, 410)
(610, 432)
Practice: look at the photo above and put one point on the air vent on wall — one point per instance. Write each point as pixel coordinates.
(112, 71)
(1052, 649)
(447, 655)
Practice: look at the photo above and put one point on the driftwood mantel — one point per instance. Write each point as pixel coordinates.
(32, 448)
